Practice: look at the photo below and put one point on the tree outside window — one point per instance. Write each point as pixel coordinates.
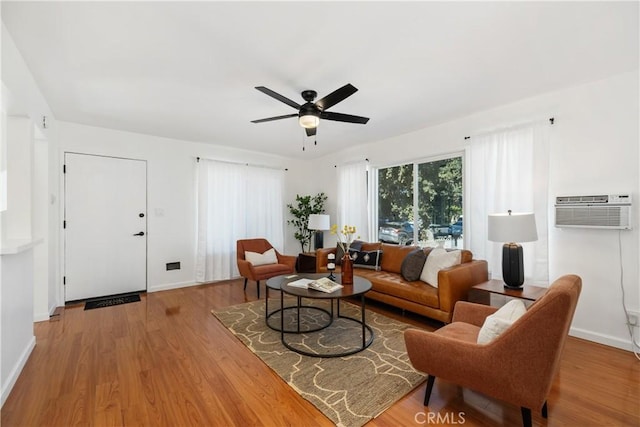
(437, 202)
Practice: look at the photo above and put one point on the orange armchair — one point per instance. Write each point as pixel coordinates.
(518, 366)
(285, 265)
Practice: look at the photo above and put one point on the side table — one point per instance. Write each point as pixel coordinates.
(306, 262)
(483, 293)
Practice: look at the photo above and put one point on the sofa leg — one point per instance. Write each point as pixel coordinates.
(245, 283)
(544, 410)
(258, 288)
(427, 393)
(526, 416)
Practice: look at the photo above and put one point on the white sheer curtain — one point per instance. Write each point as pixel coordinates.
(352, 198)
(509, 170)
(235, 202)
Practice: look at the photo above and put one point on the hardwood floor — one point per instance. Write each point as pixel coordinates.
(167, 361)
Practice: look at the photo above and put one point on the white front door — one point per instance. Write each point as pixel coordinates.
(105, 226)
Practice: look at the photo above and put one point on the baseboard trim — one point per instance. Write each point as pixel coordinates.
(168, 286)
(17, 369)
(41, 317)
(601, 338)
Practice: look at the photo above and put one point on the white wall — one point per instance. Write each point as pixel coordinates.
(594, 150)
(22, 102)
(171, 166)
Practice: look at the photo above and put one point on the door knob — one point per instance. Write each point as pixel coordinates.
(139, 234)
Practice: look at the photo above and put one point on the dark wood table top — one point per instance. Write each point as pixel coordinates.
(528, 292)
(359, 287)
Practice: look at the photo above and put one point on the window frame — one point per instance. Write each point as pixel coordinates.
(374, 192)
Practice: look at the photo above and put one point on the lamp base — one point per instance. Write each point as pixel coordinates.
(512, 266)
(319, 239)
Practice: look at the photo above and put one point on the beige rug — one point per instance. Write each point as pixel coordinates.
(349, 390)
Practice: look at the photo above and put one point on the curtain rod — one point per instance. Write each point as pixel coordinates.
(551, 121)
(240, 163)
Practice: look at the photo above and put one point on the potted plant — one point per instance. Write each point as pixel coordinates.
(300, 210)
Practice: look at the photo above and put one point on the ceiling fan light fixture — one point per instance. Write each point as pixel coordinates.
(309, 121)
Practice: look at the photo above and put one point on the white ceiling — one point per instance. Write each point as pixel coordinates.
(188, 70)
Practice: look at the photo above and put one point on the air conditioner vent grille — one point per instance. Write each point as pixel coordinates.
(593, 216)
(566, 200)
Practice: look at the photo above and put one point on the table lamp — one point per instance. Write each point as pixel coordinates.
(510, 228)
(318, 223)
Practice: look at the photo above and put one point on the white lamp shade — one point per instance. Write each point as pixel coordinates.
(512, 227)
(319, 222)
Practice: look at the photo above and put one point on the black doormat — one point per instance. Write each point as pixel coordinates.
(109, 301)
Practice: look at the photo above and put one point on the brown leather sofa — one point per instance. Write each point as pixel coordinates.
(389, 286)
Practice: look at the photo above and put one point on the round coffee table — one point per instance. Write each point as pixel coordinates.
(358, 289)
(275, 284)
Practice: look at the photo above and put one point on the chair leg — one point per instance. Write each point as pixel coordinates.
(245, 283)
(258, 287)
(427, 393)
(544, 410)
(526, 416)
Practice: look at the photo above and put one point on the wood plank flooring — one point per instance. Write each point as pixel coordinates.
(166, 361)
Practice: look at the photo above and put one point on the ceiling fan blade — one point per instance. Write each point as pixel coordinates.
(311, 131)
(339, 117)
(279, 97)
(274, 118)
(336, 96)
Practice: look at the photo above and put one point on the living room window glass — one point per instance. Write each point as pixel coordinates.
(421, 202)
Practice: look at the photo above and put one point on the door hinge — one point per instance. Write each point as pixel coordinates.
(64, 168)
(64, 224)
(64, 280)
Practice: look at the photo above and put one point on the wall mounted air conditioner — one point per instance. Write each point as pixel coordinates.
(611, 211)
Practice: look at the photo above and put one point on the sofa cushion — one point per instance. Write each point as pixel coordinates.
(393, 284)
(501, 320)
(366, 259)
(393, 257)
(437, 260)
(412, 265)
(268, 257)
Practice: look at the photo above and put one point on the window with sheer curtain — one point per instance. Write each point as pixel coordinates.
(234, 202)
(352, 198)
(509, 170)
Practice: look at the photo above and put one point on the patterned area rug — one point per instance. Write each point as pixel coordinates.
(349, 390)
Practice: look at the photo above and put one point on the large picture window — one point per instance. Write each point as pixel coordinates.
(421, 203)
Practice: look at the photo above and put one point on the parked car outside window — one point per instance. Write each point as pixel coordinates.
(400, 233)
(455, 229)
(439, 230)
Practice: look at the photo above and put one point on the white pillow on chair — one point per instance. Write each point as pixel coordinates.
(500, 321)
(269, 257)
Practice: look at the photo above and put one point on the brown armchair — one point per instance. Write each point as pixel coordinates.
(285, 265)
(518, 366)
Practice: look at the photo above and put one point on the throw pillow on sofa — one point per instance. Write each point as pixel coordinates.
(438, 259)
(366, 259)
(268, 257)
(413, 264)
(498, 322)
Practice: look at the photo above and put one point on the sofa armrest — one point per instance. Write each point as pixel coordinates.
(472, 313)
(321, 258)
(454, 282)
